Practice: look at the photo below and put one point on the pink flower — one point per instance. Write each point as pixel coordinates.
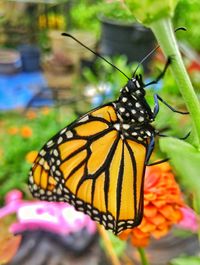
(189, 220)
(56, 217)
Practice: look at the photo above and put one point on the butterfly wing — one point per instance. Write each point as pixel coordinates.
(90, 165)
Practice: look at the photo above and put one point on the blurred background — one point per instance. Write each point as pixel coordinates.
(48, 80)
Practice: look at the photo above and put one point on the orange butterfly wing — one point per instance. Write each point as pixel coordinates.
(93, 167)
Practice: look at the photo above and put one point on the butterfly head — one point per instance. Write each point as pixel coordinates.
(135, 86)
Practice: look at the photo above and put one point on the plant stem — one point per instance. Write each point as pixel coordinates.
(165, 35)
(109, 247)
(143, 258)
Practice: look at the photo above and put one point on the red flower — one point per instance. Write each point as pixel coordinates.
(194, 66)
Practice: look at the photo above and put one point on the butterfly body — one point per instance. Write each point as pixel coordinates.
(133, 111)
(98, 162)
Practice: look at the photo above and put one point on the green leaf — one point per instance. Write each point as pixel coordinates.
(192, 260)
(186, 160)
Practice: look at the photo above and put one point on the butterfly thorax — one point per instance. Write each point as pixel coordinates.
(133, 111)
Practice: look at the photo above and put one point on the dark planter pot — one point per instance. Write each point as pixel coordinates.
(132, 40)
(30, 56)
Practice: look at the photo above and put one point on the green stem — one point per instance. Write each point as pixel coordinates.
(143, 257)
(165, 35)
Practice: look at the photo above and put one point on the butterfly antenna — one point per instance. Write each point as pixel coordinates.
(96, 53)
(147, 56)
(150, 53)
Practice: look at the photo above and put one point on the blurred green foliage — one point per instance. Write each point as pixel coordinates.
(83, 15)
(105, 73)
(185, 260)
(187, 15)
(80, 19)
(14, 146)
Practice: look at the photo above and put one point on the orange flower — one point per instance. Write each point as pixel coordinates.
(31, 114)
(45, 110)
(13, 130)
(31, 156)
(162, 206)
(26, 132)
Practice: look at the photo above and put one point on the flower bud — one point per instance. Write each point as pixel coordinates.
(147, 11)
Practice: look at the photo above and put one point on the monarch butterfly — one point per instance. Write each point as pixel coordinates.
(97, 163)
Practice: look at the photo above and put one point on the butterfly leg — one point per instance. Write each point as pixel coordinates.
(157, 97)
(150, 149)
(156, 106)
(166, 159)
(181, 138)
(149, 152)
(161, 74)
(158, 162)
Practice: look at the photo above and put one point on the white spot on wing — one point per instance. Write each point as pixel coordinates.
(35, 187)
(63, 131)
(117, 126)
(60, 139)
(110, 225)
(86, 118)
(50, 143)
(58, 191)
(58, 173)
(121, 223)
(41, 161)
(55, 152)
(110, 217)
(69, 134)
(95, 212)
(41, 191)
(42, 152)
(31, 179)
